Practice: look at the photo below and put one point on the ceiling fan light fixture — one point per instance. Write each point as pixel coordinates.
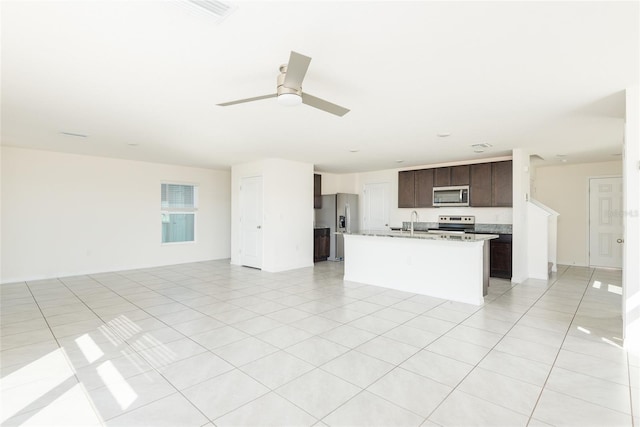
(289, 99)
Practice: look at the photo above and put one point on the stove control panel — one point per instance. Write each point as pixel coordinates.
(450, 219)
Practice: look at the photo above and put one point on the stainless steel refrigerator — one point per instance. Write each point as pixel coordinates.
(339, 213)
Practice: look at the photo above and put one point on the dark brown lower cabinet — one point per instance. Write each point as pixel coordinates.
(500, 257)
(320, 244)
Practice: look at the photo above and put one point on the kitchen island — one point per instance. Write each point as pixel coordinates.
(449, 266)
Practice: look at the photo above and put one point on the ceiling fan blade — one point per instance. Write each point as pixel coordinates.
(323, 105)
(240, 101)
(296, 70)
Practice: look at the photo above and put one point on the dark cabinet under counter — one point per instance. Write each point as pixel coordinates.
(501, 256)
(321, 244)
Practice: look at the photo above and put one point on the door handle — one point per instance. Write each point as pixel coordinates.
(259, 227)
(620, 240)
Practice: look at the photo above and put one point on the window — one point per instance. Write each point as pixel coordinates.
(179, 204)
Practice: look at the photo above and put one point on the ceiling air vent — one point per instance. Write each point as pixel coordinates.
(218, 9)
(479, 148)
(77, 135)
(483, 145)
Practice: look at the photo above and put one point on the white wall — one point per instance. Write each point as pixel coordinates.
(338, 183)
(565, 189)
(538, 238)
(287, 213)
(1, 215)
(66, 214)
(631, 271)
(521, 191)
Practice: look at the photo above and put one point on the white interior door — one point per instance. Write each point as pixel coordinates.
(251, 221)
(376, 206)
(605, 222)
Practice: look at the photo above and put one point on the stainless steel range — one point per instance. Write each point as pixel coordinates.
(455, 224)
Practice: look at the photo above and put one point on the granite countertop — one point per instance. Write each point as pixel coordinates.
(478, 228)
(458, 237)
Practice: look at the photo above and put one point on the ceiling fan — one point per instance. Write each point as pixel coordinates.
(289, 89)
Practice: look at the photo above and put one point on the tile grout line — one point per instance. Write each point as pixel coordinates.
(553, 283)
(311, 314)
(633, 422)
(544, 385)
(315, 367)
(68, 360)
(137, 352)
(210, 351)
(153, 290)
(398, 365)
(584, 374)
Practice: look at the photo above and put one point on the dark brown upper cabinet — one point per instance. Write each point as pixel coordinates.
(406, 189)
(480, 185)
(502, 184)
(424, 188)
(460, 175)
(490, 184)
(442, 177)
(317, 191)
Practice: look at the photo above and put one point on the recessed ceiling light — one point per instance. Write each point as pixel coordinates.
(132, 144)
(399, 161)
(443, 134)
(77, 135)
(478, 150)
(353, 150)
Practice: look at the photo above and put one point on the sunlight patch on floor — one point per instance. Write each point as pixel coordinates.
(89, 348)
(117, 385)
(32, 382)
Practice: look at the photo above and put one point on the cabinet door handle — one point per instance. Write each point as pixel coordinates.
(620, 240)
(259, 227)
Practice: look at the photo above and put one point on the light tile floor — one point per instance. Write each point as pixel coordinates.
(214, 344)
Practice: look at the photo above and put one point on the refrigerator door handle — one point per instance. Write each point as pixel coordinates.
(347, 209)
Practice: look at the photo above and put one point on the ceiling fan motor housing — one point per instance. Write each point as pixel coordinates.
(283, 89)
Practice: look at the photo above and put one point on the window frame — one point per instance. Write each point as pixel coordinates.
(173, 210)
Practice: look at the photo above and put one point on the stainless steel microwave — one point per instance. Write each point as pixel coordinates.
(451, 196)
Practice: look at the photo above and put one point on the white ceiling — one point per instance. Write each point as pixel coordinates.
(545, 76)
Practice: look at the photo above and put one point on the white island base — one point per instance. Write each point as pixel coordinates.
(448, 269)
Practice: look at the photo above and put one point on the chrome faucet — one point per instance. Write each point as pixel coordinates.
(412, 221)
